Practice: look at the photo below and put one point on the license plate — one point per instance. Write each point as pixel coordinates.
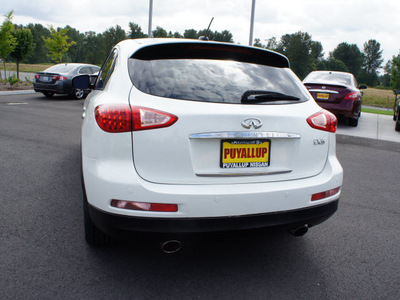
(45, 78)
(245, 153)
(322, 96)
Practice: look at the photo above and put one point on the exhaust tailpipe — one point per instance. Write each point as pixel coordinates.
(300, 231)
(171, 246)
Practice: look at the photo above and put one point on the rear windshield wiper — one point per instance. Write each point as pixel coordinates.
(253, 96)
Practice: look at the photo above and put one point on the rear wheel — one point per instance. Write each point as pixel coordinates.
(353, 122)
(78, 93)
(48, 94)
(397, 127)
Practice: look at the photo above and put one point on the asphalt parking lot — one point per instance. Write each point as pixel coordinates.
(43, 255)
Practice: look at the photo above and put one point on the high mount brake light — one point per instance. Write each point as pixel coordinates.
(124, 118)
(323, 120)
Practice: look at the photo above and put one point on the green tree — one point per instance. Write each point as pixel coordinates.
(135, 31)
(395, 73)
(75, 52)
(257, 43)
(385, 78)
(93, 48)
(113, 36)
(272, 44)
(372, 61)
(159, 32)
(191, 34)
(316, 50)
(350, 55)
(7, 40)
(41, 51)
(298, 48)
(224, 36)
(57, 43)
(24, 45)
(175, 35)
(332, 64)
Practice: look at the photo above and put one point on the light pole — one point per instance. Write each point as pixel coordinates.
(253, 5)
(150, 17)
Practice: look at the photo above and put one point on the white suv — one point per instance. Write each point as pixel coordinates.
(184, 136)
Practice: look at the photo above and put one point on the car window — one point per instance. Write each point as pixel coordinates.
(61, 68)
(85, 70)
(106, 70)
(215, 75)
(94, 69)
(211, 80)
(328, 78)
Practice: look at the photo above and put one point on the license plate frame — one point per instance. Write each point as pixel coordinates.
(244, 156)
(322, 96)
(45, 78)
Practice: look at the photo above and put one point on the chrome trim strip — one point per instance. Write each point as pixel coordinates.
(324, 91)
(224, 174)
(245, 135)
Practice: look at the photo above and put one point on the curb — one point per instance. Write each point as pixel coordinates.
(364, 141)
(18, 92)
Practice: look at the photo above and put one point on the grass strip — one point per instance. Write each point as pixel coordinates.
(377, 111)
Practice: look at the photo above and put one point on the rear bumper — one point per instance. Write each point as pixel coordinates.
(59, 87)
(346, 108)
(123, 226)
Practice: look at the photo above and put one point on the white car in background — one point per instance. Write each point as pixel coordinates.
(183, 136)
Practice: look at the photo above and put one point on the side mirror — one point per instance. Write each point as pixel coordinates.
(362, 87)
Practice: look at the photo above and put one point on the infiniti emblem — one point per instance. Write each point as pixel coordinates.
(256, 123)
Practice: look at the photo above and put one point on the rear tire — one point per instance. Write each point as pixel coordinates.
(78, 94)
(397, 127)
(353, 122)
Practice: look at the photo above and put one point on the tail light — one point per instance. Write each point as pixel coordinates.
(124, 118)
(147, 118)
(323, 120)
(351, 96)
(59, 78)
(114, 118)
(37, 76)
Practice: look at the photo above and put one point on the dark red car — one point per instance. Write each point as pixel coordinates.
(337, 92)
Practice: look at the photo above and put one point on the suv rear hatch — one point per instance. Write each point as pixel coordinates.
(241, 116)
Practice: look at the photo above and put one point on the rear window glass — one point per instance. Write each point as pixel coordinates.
(64, 68)
(212, 80)
(328, 78)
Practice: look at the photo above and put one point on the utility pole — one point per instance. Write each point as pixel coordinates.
(150, 18)
(253, 6)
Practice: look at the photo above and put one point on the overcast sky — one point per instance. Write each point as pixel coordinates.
(327, 21)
